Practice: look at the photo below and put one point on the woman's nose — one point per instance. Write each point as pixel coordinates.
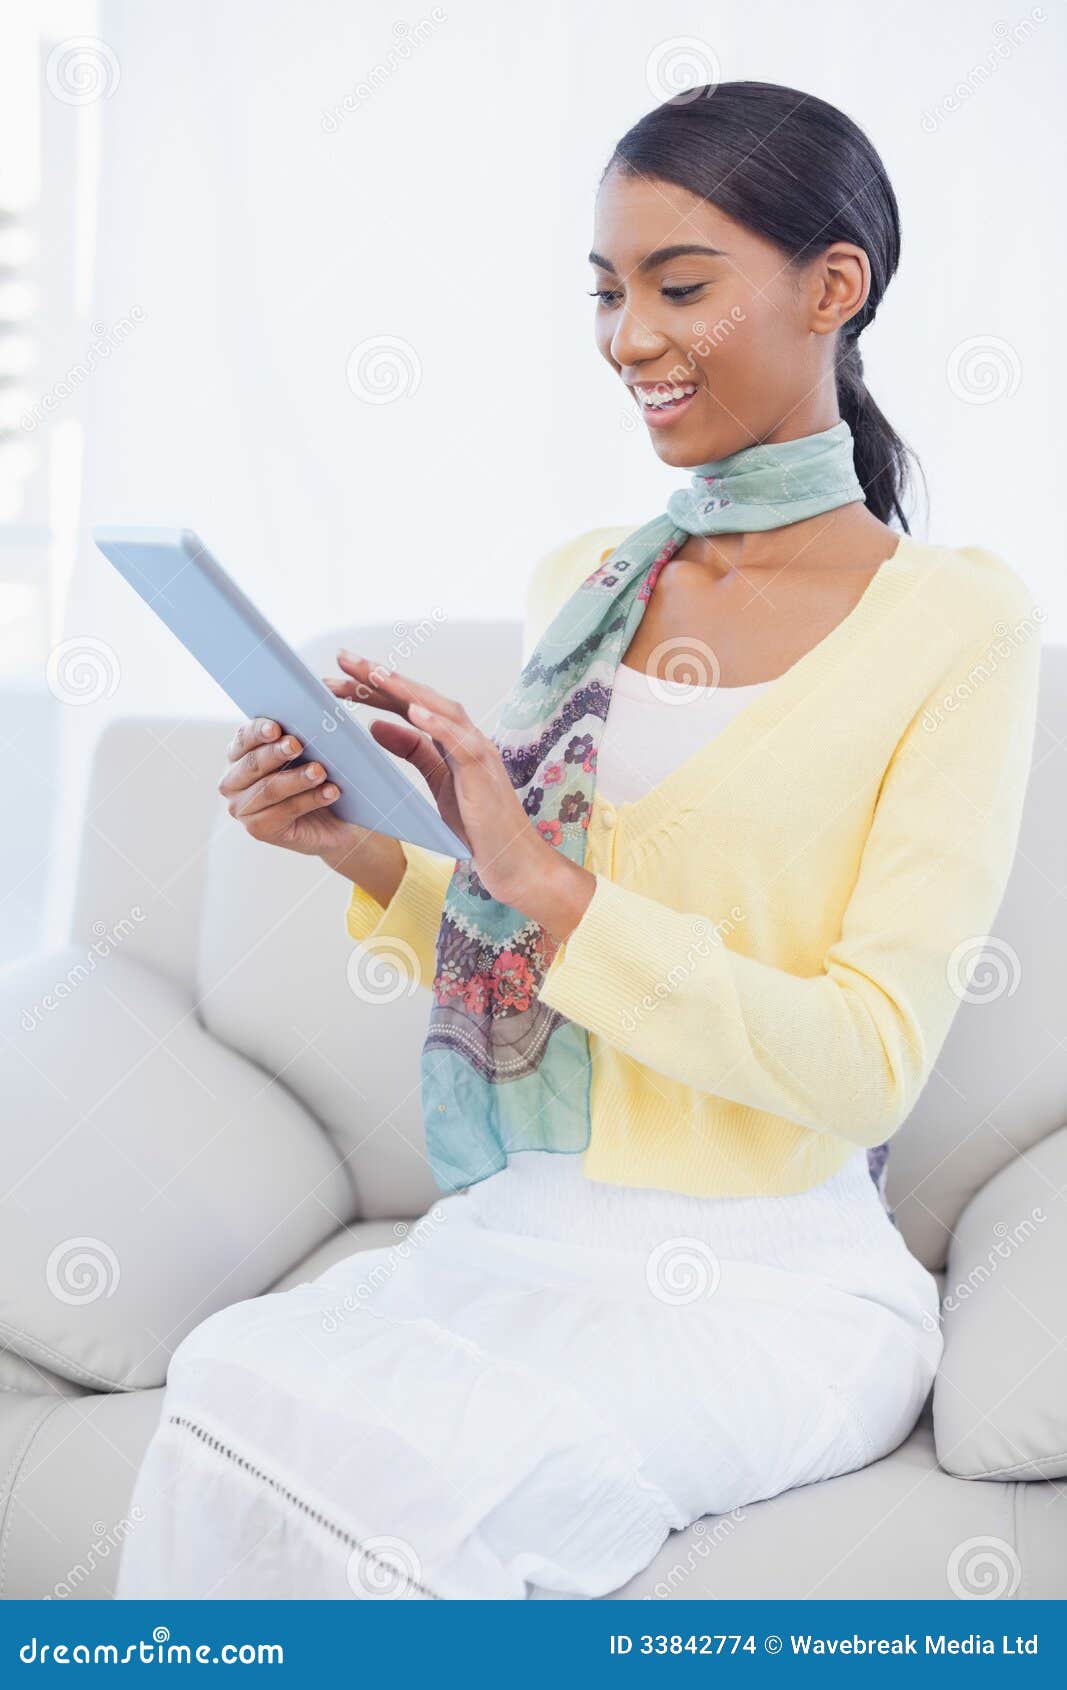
(634, 341)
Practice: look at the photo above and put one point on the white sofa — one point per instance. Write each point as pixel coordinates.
(218, 1102)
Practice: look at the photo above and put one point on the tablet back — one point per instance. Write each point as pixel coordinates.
(192, 594)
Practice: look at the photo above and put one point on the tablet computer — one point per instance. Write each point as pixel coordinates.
(175, 574)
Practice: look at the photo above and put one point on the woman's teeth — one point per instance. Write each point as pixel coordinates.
(656, 398)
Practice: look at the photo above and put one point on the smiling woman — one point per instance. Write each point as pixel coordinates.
(734, 259)
(671, 1033)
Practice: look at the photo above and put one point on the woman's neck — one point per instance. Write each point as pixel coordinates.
(848, 535)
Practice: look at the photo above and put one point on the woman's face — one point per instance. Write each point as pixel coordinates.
(690, 299)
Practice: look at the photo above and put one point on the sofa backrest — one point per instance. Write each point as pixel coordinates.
(1000, 1083)
(274, 949)
(273, 955)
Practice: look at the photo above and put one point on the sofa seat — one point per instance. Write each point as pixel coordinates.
(68, 1458)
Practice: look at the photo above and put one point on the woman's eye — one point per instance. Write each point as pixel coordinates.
(606, 296)
(683, 293)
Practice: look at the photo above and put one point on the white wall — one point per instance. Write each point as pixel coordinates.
(259, 244)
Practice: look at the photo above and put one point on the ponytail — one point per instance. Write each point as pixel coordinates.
(879, 455)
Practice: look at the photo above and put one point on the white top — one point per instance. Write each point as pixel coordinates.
(654, 725)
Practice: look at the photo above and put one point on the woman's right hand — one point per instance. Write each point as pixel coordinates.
(290, 807)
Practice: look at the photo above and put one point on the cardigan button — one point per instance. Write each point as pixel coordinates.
(608, 816)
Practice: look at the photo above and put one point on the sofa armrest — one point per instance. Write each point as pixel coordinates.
(1000, 1397)
(151, 1175)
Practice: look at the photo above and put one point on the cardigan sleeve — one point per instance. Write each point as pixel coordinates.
(407, 927)
(848, 1049)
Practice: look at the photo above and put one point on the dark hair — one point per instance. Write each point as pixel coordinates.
(800, 173)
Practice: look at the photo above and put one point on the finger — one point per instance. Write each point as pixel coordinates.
(357, 690)
(277, 789)
(389, 688)
(416, 748)
(459, 740)
(367, 683)
(271, 823)
(261, 760)
(251, 734)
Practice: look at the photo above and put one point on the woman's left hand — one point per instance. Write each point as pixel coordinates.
(471, 789)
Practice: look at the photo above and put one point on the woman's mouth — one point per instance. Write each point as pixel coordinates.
(661, 402)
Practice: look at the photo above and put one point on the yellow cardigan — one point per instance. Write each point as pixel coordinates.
(782, 929)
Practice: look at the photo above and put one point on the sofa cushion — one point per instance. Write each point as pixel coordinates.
(29, 1378)
(1000, 1397)
(901, 1528)
(279, 977)
(152, 1176)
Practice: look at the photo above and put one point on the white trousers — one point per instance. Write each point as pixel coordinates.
(525, 1395)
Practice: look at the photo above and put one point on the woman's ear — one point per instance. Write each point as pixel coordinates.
(844, 283)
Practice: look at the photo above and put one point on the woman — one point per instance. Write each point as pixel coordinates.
(759, 780)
